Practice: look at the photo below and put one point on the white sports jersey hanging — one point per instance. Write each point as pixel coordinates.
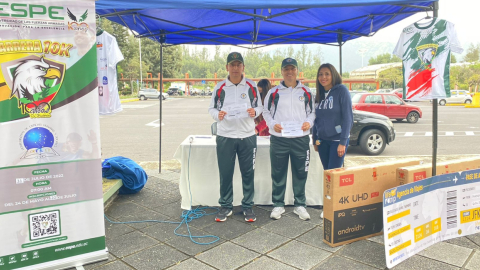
(108, 56)
(425, 51)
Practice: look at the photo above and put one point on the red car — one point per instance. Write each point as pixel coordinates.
(398, 92)
(386, 104)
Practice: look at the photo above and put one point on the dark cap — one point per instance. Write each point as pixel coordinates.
(234, 56)
(289, 62)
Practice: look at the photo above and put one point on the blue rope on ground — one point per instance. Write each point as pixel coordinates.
(187, 215)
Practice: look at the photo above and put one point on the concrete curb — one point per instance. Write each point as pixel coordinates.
(455, 104)
(129, 100)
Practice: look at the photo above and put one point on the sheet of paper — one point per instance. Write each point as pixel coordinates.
(236, 111)
(292, 128)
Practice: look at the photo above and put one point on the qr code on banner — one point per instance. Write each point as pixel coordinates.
(43, 225)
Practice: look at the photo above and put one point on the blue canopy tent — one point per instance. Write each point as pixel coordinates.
(256, 24)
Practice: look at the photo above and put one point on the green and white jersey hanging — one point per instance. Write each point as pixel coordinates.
(425, 51)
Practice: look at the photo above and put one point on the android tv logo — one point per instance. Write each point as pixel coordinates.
(34, 81)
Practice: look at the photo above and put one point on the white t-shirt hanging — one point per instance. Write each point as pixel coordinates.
(108, 56)
(425, 51)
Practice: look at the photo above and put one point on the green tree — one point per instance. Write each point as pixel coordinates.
(384, 59)
(453, 59)
(473, 53)
(346, 75)
(391, 78)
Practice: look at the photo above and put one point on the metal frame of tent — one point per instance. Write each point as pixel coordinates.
(261, 40)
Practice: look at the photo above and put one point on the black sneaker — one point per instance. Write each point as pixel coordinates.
(222, 214)
(249, 215)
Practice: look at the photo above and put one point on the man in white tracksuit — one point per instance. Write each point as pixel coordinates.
(290, 102)
(234, 105)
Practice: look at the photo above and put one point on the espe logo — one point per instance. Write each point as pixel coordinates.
(20, 10)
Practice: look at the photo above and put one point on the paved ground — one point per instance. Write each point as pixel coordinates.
(288, 243)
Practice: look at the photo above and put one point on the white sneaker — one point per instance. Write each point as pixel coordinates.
(302, 213)
(277, 212)
(321, 215)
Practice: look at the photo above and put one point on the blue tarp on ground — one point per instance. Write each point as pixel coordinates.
(247, 22)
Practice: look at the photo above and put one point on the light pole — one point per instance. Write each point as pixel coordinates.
(140, 51)
(362, 53)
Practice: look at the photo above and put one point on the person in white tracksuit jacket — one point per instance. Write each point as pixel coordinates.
(290, 101)
(234, 105)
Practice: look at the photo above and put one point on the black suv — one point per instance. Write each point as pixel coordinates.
(371, 131)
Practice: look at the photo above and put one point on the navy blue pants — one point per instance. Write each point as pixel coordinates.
(329, 155)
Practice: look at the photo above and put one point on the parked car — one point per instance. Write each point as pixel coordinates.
(398, 92)
(387, 104)
(386, 90)
(456, 96)
(174, 91)
(195, 92)
(146, 93)
(354, 92)
(371, 132)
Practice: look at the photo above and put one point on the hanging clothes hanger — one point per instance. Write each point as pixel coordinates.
(99, 25)
(428, 18)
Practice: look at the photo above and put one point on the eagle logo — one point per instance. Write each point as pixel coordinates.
(78, 24)
(74, 18)
(34, 81)
(427, 53)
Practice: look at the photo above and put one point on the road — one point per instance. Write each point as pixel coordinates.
(134, 132)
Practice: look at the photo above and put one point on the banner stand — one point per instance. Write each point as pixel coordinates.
(74, 261)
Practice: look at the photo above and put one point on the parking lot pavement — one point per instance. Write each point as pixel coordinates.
(287, 243)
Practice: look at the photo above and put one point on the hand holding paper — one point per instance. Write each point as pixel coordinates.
(237, 111)
(292, 128)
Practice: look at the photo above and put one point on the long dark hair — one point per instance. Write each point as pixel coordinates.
(266, 86)
(336, 80)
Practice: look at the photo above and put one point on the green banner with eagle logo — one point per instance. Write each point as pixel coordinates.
(51, 201)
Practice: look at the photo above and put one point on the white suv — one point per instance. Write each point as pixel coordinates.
(146, 93)
(457, 96)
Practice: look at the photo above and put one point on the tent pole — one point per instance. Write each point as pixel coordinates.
(435, 115)
(160, 98)
(339, 39)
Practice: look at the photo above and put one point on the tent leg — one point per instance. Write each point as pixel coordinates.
(161, 98)
(339, 39)
(435, 116)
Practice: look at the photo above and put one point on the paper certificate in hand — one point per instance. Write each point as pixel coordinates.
(292, 128)
(236, 111)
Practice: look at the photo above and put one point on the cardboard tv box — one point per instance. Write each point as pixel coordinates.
(410, 174)
(353, 197)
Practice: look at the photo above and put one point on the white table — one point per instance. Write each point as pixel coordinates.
(202, 176)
